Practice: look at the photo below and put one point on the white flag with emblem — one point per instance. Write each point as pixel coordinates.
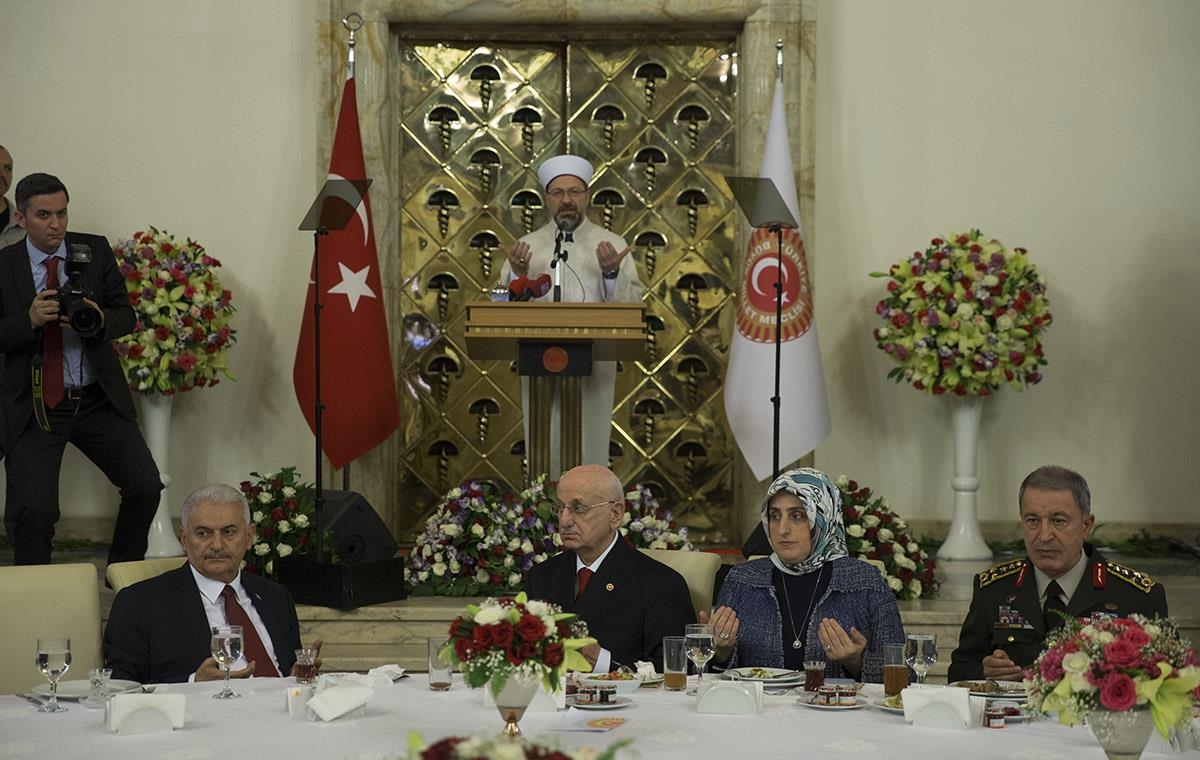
(750, 378)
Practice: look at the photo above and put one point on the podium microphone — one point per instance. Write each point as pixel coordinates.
(528, 288)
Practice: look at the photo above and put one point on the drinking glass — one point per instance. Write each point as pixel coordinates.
(98, 694)
(53, 659)
(439, 669)
(306, 665)
(226, 649)
(699, 644)
(675, 663)
(895, 672)
(920, 652)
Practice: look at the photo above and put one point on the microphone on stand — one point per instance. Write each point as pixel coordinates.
(563, 234)
(528, 288)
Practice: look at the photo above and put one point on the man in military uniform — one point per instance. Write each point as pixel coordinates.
(1016, 603)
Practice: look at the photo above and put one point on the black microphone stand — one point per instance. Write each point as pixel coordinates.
(558, 253)
(318, 407)
(777, 398)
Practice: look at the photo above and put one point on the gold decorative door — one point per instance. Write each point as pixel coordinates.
(656, 119)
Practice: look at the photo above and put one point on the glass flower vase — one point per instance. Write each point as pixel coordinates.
(514, 699)
(1122, 735)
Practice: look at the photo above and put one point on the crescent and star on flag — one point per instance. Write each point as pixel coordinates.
(353, 284)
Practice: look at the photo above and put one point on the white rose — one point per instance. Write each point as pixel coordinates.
(454, 566)
(842, 481)
(289, 492)
(658, 543)
(514, 544)
(915, 585)
(540, 557)
(514, 579)
(912, 547)
(423, 576)
(450, 529)
(508, 560)
(537, 607)
(488, 614)
(905, 562)
(262, 550)
(454, 494)
(855, 530)
(894, 583)
(284, 550)
(257, 517)
(284, 526)
(897, 549)
(439, 569)
(885, 534)
(878, 564)
(871, 521)
(991, 280)
(481, 575)
(477, 530)
(527, 547)
(264, 497)
(438, 557)
(301, 521)
(270, 566)
(557, 540)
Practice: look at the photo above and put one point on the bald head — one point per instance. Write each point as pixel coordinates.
(594, 480)
(595, 507)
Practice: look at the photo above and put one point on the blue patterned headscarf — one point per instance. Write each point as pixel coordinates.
(822, 506)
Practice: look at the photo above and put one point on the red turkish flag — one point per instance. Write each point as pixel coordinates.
(358, 386)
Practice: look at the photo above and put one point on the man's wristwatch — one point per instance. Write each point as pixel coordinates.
(611, 275)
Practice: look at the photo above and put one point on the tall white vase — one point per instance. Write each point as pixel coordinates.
(965, 541)
(156, 424)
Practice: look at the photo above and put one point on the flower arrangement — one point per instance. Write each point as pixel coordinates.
(966, 317)
(514, 636)
(501, 748)
(182, 336)
(283, 511)
(1116, 664)
(479, 541)
(876, 534)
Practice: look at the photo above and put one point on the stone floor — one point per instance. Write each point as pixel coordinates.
(395, 632)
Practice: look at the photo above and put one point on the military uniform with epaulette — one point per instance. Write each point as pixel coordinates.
(1006, 612)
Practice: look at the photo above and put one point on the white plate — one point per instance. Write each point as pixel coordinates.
(1009, 703)
(655, 681)
(615, 705)
(1007, 690)
(82, 688)
(858, 702)
(886, 708)
(773, 675)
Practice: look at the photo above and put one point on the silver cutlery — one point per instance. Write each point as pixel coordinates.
(31, 699)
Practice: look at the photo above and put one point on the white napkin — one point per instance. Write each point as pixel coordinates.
(144, 713)
(645, 670)
(295, 700)
(937, 708)
(376, 678)
(337, 701)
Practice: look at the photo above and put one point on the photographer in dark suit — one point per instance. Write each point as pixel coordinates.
(159, 629)
(62, 303)
(629, 601)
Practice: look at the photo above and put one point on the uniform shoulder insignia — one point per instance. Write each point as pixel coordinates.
(1138, 580)
(1003, 570)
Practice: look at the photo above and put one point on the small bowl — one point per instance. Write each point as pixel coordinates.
(624, 686)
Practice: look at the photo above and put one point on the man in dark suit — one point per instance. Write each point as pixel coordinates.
(59, 386)
(1017, 603)
(159, 629)
(629, 601)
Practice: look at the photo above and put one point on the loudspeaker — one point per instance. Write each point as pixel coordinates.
(358, 533)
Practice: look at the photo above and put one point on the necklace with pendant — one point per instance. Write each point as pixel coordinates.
(796, 644)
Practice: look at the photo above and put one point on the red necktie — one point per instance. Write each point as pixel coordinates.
(52, 356)
(584, 575)
(252, 645)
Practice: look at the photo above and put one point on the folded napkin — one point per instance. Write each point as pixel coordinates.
(376, 678)
(645, 670)
(144, 713)
(937, 708)
(295, 700)
(337, 701)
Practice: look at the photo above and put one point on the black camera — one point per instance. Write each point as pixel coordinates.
(84, 320)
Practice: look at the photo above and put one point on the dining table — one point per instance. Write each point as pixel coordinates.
(656, 724)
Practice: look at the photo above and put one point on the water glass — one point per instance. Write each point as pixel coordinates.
(226, 648)
(439, 670)
(699, 646)
(675, 663)
(920, 652)
(814, 674)
(53, 659)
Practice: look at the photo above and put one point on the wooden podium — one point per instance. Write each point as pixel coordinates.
(554, 345)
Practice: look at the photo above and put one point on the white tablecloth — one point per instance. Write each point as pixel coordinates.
(661, 724)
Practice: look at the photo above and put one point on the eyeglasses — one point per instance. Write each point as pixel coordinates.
(580, 510)
(558, 192)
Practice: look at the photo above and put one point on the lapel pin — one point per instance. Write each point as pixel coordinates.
(609, 587)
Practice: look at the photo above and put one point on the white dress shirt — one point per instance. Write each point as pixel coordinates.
(214, 610)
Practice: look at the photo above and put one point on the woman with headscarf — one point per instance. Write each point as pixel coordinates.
(808, 600)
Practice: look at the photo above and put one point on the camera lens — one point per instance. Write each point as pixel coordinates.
(84, 320)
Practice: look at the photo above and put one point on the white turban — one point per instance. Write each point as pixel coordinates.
(564, 164)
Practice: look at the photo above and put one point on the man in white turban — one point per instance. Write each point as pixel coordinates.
(596, 269)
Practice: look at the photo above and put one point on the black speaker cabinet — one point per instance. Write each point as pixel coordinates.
(367, 570)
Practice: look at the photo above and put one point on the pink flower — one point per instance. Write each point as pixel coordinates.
(1051, 665)
(1118, 692)
(1123, 653)
(1136, 636)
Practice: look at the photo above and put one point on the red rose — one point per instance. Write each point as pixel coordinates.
(161, 333)
(1137, 637)
(266, 532)
(502, 634)
(462, 649)
(531, 628)
(276, 514)
(484, 636)
(553, 655)
(1118, 692)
